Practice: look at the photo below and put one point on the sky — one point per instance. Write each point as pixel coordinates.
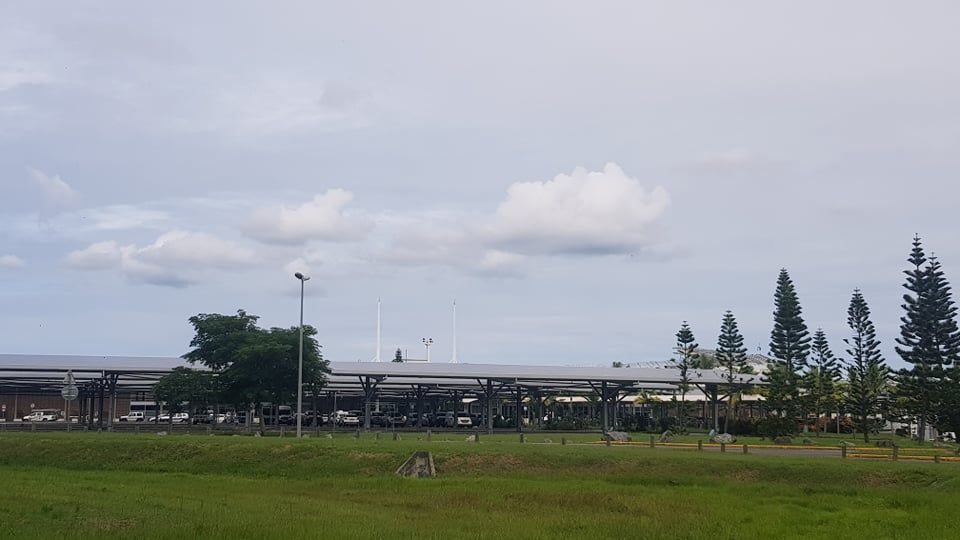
(580, 177)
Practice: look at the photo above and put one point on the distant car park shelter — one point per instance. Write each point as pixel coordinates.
(105, 379)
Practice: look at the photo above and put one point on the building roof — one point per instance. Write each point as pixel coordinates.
(46, 373)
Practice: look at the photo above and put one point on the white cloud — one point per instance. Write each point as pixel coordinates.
(501, 263)
(600, 212)
(13, 78)
(11, 261)
(97, 256)
(58, 196)
(177, 258)
(322, 218)
(732, 160)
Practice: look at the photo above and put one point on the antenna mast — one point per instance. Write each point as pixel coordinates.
(453, 360)
(377, 357)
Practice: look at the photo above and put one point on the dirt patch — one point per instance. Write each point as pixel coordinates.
(478, 463)
(369, 456)
(743, 475)
(883, 479)
(108, 525)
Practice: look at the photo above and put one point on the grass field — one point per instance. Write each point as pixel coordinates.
(145, 486)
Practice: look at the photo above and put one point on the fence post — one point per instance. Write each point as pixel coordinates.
(652, 442)
(843, 451)
(429, 435)
(607, 442)
(723, 448)
(744, 449)
(476, 437)
(700, 446)
(523, 438)
(396, 436)
(357, 434)
(936, 458)
(896, 452)
(563, 441)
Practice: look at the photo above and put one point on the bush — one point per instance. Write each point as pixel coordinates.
(829, 425)
(776, 426)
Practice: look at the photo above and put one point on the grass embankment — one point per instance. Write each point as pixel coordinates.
(103, 485)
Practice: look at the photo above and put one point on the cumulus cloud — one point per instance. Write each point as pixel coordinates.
(177, 258)
(58, 196)
(11, 261)
(322, 218)
(586, 212)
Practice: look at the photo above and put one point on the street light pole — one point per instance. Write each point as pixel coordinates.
(303, 279)
(427, 342)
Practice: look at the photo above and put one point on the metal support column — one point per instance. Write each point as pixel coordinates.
(490, 399)
(519, 408)
(603, 406)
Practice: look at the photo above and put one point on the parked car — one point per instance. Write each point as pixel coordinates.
(457, 420)
(42, 415)
(396, 420)
(178, 418)
(134, 416)
(348, 419)
(286, 416)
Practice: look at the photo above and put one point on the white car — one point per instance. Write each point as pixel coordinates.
(348, 419)
(135, 416)
(42, 416)
(457, 420)
(178, 418)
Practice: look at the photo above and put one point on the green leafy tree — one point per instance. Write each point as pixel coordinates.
(731, 356)
(182, 386)
(254, 365)
(685, 357)
(789, 347)
(820, 378)
(218, 338)
(398, 356)
(930, 343)
(866, 371)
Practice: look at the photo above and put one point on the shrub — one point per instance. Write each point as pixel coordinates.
(776, 426)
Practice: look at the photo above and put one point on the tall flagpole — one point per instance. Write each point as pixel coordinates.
(377, 357)
(454, 360)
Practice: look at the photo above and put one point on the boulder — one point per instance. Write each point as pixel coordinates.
(162, 433)
(666, 436)
(616, 436)
(782, 440)
(724, 438)
(808, 442)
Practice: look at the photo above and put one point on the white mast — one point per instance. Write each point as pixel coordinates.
(377, 357)
(453, 360)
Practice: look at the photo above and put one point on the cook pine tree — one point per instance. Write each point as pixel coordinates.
(867, 373)
(789, 347)
(685, 357)
(820, 379)
(929, 343)
(731, 357)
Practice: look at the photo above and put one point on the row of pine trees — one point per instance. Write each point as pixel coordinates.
(804, 378)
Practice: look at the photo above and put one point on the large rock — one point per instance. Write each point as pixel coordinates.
(616, 436)
(782, 440)
(666, 436)
(724, 438)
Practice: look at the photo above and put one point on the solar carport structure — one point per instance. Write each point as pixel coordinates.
(102, 378)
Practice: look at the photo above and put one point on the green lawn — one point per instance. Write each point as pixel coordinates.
(145, 486)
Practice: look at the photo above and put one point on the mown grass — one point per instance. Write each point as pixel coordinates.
(129, 486)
